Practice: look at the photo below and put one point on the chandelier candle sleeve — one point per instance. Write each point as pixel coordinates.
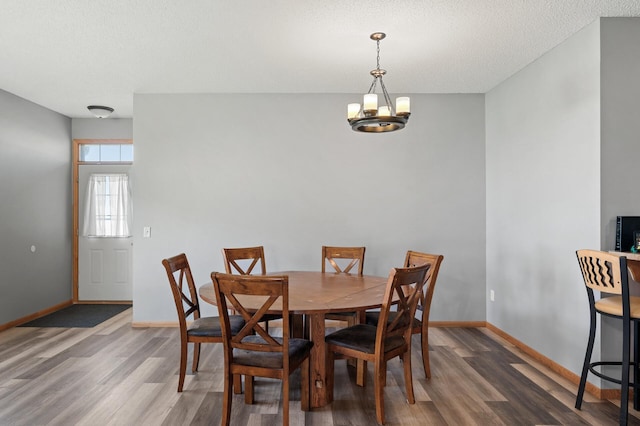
(370, 103)
(353, 110)
(403, 106)
(384, 111)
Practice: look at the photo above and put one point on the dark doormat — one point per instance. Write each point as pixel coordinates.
(81, 316)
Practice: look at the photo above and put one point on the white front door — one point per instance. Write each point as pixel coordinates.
(104, 264)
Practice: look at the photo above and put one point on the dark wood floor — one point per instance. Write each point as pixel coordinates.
(115, 375)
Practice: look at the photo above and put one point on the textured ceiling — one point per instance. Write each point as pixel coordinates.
(68, 54)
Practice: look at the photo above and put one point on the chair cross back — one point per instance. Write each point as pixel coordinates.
(254, 254)
(273, 288)
(356, 254)
(240, 270)
(193, 307)
(407, 286)
(180, 263)
(415, 258)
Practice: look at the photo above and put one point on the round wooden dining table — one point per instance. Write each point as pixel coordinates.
(312, 295)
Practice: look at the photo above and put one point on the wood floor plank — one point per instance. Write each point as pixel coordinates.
(113, 374)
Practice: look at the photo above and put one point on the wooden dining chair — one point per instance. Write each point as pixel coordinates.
(607, 274)
(420, 326)
(243, 261)
(343, 260)
(389, 339)
(202, 329)
(253, 351)
(355, 256)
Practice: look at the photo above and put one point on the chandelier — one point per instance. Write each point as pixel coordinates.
(373, 118)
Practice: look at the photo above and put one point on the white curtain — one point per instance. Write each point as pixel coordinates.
(108, 210)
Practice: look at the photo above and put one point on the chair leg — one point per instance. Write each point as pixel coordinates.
(424, 343)
(307, 327)
(378, 390)
(183, 364)
(227, 397)
(330, 366)
(237, 384)
(351, 321)
(384, 374)
(361, 372)
(624, 395)
(248, 390)
(636, 366)
(587, 361)
(285, 399)
(408, 378)
(305, 396)
(196, 357)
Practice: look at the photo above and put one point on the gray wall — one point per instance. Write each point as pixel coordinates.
(620, 150)
(105, 128)
(620, 147)
(286, 172)
(35, 186)
(543, 197)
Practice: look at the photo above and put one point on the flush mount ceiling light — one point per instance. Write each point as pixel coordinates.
(370, 117)
(100, 111)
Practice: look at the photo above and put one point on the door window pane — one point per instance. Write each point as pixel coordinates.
(110, 153)
(107, 153)
(126, 153)
(89, 152)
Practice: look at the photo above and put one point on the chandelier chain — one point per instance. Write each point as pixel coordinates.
(378, 57)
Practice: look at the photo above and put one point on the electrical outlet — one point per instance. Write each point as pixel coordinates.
(492, 295)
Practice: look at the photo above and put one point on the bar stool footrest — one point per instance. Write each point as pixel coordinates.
(607, 377)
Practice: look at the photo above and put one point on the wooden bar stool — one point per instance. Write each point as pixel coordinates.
(607, 273)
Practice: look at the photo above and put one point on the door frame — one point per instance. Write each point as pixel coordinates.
(76, 208)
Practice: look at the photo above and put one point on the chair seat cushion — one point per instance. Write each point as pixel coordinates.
(373, 317)
(613, 305)
(210, 326)
(298, 349)
(362, 337)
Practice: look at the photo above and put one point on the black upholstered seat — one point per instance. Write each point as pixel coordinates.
(298, 349)
(362, 337)
(210, 326)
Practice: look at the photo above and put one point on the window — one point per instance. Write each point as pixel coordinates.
(106, 153)
(108, 206)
